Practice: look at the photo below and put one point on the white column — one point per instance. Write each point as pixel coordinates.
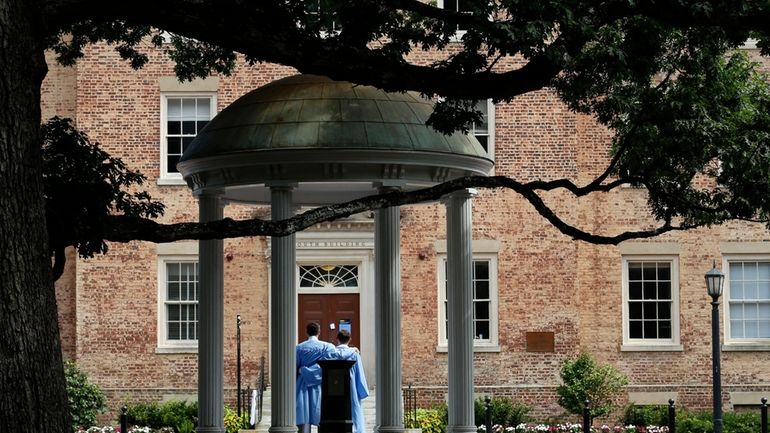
(460, 312)
(283, 317)
(387, 270)
(211, 322)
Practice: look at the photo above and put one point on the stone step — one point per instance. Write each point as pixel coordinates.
(369, 408)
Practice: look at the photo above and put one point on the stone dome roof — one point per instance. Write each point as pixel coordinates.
(309, 128)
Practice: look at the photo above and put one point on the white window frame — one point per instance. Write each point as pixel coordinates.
(326, 33)
(490, 129)
(491, 345)
(657, 344)
(459, 33)
(165, 177)
(739, 343)
(165, 345)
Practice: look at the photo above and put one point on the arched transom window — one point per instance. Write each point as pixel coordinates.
(328, 276)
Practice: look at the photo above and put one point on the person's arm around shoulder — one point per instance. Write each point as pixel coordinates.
(330, 351)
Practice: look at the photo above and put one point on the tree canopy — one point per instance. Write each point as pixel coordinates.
(664, 78)
(680, 102)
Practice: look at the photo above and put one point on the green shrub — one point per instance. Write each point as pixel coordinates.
(583, 378)
(432, 420)
(744, 422)
(692, 422)
(733, 422)
(741, 422)
(85, 399)
(186, 426)
(177, 414)
(504, 412)
(645, 415)
(144, 414)
(233, 423)
(695, 423)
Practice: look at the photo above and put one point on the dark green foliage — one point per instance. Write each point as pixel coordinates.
(741, 422)
(713, 122)
(452, 114)
(646, 415)
(83, 185)
(194, 59)
(233, 423)
(695, 423)
(86, 400)
(583, 378)
(69, 42)
(686, 114)
(431, 420)
(504, 411)
(144, 414)
(180, 415)
(701, 422)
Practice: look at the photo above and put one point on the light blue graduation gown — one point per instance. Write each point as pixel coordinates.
(359, 390)
(308, 388)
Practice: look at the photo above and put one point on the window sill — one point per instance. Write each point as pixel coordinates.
(172, 350)
(165, 181)
(476, 349)
(458, 36)
(651, 348)
(746, 347)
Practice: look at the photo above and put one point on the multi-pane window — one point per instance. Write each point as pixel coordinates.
(748, 299)
(650, 300)
(484, 130)
(183, 118)
(321, 12)
(181, 301)
(481, 300)
(455, 5)
(484, 287)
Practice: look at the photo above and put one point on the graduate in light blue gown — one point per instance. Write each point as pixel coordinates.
(359, 390)
(308, 388)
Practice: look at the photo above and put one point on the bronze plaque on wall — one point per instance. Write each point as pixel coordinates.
(540, 342)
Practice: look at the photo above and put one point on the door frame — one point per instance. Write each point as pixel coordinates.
(339, 247)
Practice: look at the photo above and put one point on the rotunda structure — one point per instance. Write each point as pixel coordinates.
(310, 130)
(309, 140)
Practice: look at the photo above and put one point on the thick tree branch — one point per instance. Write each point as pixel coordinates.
(596, 184)
(268, 32)
(124, 229)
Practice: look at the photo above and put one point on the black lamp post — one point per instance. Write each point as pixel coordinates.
(714, 283)
(238, 362)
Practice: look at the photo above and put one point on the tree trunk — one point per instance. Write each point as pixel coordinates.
(32, 390)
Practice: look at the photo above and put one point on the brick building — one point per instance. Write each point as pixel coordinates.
(128, 317)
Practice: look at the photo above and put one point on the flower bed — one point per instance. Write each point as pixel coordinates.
(135, 429)
(572, 428)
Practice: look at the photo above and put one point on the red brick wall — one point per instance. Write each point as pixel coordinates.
(546, 281)
(58, 91)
